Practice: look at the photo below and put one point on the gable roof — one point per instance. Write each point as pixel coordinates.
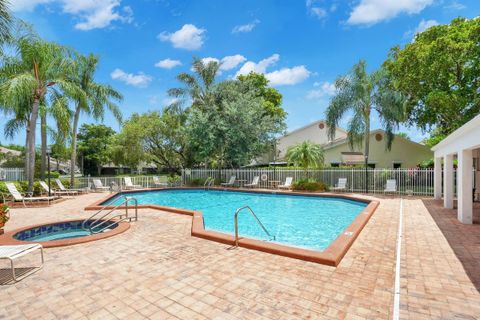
(316, 123)
(345, 140)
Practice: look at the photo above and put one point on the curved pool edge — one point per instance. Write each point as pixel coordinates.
(331, 256)
(8, 237)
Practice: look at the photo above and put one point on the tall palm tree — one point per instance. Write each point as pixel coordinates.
(360, 93)
(306, 155)
(61, 113)
(5, 21)
(199, 87)
(97, 97)
(38, 71)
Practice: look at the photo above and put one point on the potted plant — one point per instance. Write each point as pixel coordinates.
(4, 216)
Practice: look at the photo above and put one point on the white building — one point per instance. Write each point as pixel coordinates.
(403, 154)
(464, 145)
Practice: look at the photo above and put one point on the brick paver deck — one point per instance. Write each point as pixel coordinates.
(157, 270)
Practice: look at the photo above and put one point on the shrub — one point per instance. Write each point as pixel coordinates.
(309, 185)
(53, 175)
(197, 182)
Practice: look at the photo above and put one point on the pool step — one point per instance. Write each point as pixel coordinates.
(99, 223)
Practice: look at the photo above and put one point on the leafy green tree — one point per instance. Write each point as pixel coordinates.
(272, 98)
(438, 73)
(95, 99)
(236, 131)
(39, 71)
(404, 135)
(306, 155)
(157, 137)
(5, 22)
(198, 87)
(95, 145)
(361, 93)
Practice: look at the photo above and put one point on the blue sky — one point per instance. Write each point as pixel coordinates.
(301, 46)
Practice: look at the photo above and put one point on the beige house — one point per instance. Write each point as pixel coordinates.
(403, 154)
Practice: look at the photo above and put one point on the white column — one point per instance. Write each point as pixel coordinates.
(437, 178)
(464, 186)
(448, 181)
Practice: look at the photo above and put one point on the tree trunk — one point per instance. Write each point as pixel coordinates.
(27, 136)
(32, 126)
(43, 132)
(366, 138)
(73, 160)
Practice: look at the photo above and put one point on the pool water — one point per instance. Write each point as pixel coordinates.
(56, 231)
(300, 221)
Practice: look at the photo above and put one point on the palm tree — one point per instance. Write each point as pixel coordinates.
(306, 155)
(361, 93)
(5, 21)
(198, 87)
(37, 72)
(96, 98)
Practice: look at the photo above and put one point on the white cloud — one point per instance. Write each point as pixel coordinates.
(207, 60)
(246, 27)
(231, 62)
(288, 76)
(259, 67)
(26, 5)
(424, 25)
(168, 63)
(189, 37)
(324, 89)
(314, 8)
(136, 80)
(373, 11)
(284, 76)
(455, 5)
(93, 14)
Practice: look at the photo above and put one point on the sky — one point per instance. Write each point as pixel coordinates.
(301, 46)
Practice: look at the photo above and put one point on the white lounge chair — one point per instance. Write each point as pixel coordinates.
(160, 181)
(17, 196)
(13, 252)
(230, 182)
(255, 182)
(391, 186)
(98, 186)
(129, 184)
(341, 185)
(62, 187)
(54, 191)
(287, 184)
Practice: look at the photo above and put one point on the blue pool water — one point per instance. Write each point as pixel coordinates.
(301, 221)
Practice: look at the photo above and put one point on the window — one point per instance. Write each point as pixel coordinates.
(397, 165)
(334, 164)
(371, 165)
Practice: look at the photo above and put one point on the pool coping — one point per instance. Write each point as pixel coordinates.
(331, 256)
(8, 239)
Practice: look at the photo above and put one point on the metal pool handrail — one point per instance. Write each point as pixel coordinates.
(208, 183)
(256, 218)
(99, 221)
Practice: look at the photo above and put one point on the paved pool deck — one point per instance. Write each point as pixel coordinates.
(156, 270)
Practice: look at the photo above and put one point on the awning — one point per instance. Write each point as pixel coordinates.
(352, 158)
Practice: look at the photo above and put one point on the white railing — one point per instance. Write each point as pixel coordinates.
(409, 181)
(118, 182)
(12, 174)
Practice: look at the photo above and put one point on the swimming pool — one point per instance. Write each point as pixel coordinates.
(307, 222)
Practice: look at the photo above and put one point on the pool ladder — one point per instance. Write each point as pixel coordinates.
(256, 218)
(208, 183)
(104, 223)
